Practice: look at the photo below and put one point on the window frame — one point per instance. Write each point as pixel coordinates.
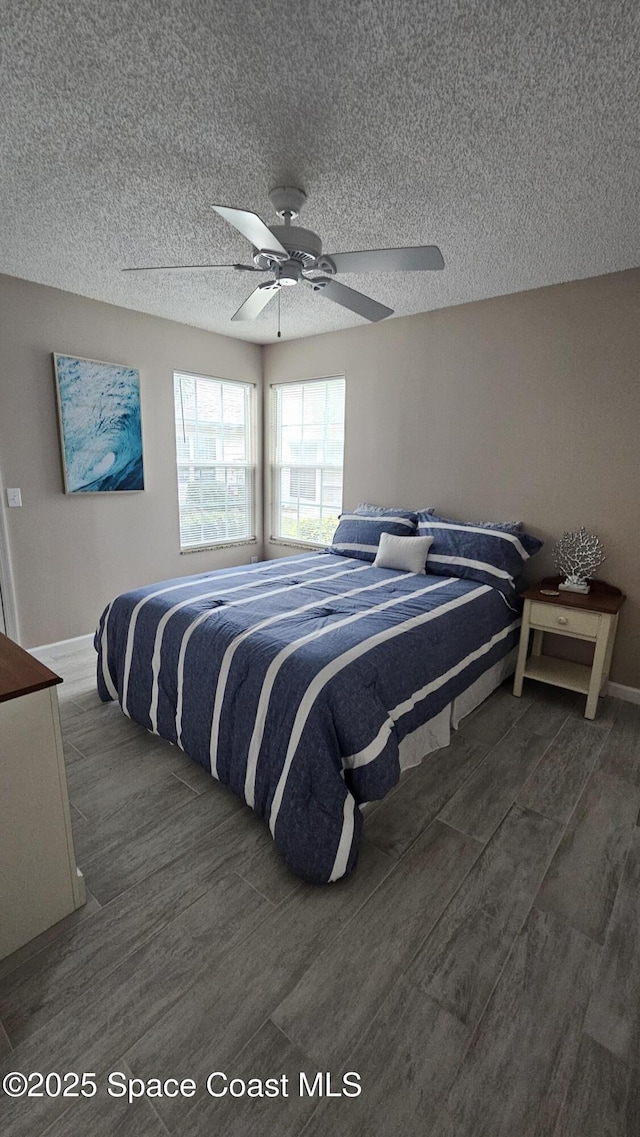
(275, 466)
(250, 466)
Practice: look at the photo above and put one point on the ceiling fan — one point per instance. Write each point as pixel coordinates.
(293, 255)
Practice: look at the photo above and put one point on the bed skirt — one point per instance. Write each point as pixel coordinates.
(436, 733)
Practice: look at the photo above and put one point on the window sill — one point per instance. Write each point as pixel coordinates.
(290, 543)
(219, 545)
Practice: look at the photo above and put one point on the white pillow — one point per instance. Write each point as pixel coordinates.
(408, 553)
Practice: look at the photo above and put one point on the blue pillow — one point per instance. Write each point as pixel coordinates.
(507, 526)
(358, 534)
(491, 553)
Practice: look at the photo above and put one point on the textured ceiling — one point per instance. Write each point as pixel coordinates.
(504, 131)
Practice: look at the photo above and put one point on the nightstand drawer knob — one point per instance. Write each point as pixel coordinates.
(562, 620)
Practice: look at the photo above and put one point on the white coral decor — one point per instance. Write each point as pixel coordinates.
(578, 555)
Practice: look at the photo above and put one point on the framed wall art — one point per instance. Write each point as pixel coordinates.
(100, 425)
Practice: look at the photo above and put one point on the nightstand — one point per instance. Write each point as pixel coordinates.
(592, 617)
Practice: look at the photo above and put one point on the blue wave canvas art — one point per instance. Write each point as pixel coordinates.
(99, 405)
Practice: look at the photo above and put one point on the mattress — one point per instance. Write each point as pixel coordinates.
(300, 682)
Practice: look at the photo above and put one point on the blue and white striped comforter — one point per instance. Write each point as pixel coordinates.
(294, 681)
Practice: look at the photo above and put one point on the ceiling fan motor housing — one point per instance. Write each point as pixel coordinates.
(303, 246)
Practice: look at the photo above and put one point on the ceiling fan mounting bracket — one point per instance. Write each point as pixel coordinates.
(317, 282)
(325, 264)
(287, 201)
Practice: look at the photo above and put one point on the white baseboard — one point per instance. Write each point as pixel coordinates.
(619, 691)
(62, 647)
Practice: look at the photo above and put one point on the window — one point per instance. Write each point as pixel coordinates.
(307, 444)
(215, 456)
(303, 483)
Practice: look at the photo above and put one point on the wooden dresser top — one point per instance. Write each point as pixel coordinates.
(21, 673)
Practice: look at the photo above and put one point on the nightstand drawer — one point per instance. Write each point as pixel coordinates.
(554, 618)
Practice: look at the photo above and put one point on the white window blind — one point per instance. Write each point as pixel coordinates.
(306, 450)
(215, 457)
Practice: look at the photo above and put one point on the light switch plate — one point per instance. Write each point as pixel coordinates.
(14, 497)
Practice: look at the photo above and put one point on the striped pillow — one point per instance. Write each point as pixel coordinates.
(489, 553)
(358, 534)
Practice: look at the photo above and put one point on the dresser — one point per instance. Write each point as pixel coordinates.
(39, 881)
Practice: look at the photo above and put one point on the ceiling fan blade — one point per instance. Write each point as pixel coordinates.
(190, 268)
(420, 258)
(251, 227)
(349, 298)
(258, 300)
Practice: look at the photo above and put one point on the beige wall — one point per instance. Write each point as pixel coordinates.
(71, 554)
(526, 406)
(523, 407)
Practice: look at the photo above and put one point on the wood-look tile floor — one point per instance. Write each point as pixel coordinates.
(480, 970)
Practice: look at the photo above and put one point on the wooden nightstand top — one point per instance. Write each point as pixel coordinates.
(603, 597)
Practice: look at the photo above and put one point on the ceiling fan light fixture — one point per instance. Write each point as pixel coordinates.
(290, 273)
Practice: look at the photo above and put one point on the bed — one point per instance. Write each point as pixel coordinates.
(305, 684)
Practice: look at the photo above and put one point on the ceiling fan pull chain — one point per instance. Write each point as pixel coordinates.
(279, 300)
